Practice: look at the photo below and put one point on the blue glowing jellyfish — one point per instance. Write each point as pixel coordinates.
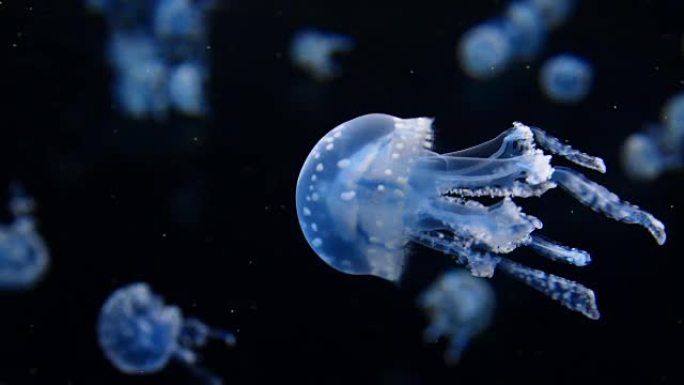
(660, 147)
(372, 185)
(518, 35)
(24, 258)
(158, 51)
(485, 51)
(673, 116)
(566, 78)
(140, 334)
(525, 29)
(460, 307)
(313, 51)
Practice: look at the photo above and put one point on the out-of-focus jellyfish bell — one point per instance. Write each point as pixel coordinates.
(485, 50)
(140, 334)
(566, 78)
(525, 29)
(641, 157)
(673, 116)
(313, 51)
(660, 147)
(24, 258)
(460, 307)
(186, 88)
(373, 184)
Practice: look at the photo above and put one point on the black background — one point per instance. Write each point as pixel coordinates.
(203, 209)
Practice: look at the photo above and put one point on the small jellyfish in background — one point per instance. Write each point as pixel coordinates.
(485, 50)
(140, 334)
(519, 34)
(314, 52)
(525, 29)
(158, 50)
(566, 78)
(658, 148)
(24, 258)
(373, 184)
(460, 307)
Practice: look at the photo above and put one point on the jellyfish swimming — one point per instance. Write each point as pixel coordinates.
(372, 185)
(314, 52)
(519, 34)
(566, 78)
(24, 257)
(158, 50)
(460, 307)
(659, 147)
(140, 334)
(485, 51)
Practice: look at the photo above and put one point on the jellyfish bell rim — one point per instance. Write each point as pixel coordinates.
(379, 125)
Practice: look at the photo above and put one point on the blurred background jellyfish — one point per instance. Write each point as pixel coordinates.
(24, 258)
(566, 78)
(460, 307)
(140, 334)
(487, 49)
(314, 52)
(372, 185)
(157, 49)
(658, 148)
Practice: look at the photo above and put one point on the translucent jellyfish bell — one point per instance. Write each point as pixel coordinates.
(314, 52)
(485, 50)
(658, 148)
(24, 258)
(372, 185)
(566, 78)
(139, 334)
(460, 307)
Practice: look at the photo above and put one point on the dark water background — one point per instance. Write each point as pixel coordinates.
(203, 210)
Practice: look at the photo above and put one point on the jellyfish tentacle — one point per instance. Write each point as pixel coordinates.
(558, 252)
(555, 147)
(601, 200)
(570, 294)
(499, 228)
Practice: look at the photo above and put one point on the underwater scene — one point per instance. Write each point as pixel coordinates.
(324, 192)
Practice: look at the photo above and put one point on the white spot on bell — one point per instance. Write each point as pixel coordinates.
(343, 163)
(348, 195)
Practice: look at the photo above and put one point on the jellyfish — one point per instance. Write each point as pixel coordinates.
(313, 51)
(158, 51)
(566, 78)
(140, 334)
(373, 185)
(658, 148)
(186, 88)
(487, 49)
(24, 257)
(525, 29)
(460, 307)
